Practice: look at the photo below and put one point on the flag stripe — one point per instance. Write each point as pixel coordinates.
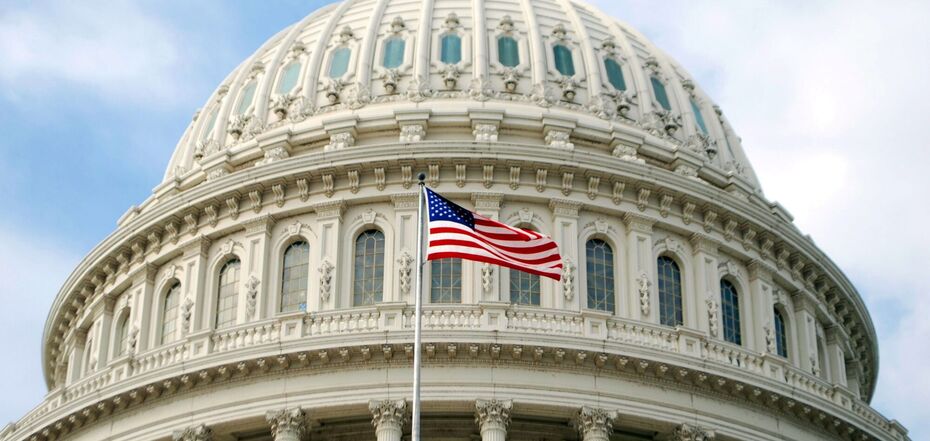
(472, 254)
(542, 259)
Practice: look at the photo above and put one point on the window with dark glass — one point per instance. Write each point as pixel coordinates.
(563, 60)
(450, 51)
(698, 117)
(339, 64)
(599, 258)
(729, 308)
(614, 74)
(294, 277)
(508, 52)
(669, 283)
(446, 281)
(658, 89)
(169, 317)
(781, 338)
(227, 297)
(369, 268)
(393, 52)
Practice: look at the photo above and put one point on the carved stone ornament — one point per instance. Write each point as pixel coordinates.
(412, 133)
(485, 132)
(769, 338)
(594, 423)
(487, 277)
(712, 312)
(326, 279)
(493, 414)
(643, 284)
(388, 414)
(689, 432)
(568, 279)
(404, 267)
(194, 433)
(187, 310)
(287, 424)
(251, 293)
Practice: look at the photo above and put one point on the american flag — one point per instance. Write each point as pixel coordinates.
(458, 233)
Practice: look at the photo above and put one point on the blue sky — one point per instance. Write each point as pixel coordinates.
(831, 99)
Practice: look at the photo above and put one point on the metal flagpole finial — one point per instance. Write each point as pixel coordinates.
(422, 178)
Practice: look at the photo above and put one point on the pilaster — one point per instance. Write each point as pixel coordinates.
(102, 332)
(595, 424)
(256, 262)
(287, 424)
(761, 306)
(405, 243)
(199, 432)
(493, 418)
(329, 226)
(388, 417)
(640, 267)
(806, 327)
(565, 234)
(706, 292)
(487, 276)
(194, 263)
(835, 356)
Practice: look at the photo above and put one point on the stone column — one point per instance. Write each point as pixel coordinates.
(706, 292)
(640, 265)
(762, 305)
(194, 262)
(193, 433)
(256, 260)
(287, 424)
(485, 275)
(405, 247)
(493, 418)
(565, 234)
(595, 424)
(388, 417)
(329, 230)
(806, 327)
(691, 432)
(837, 358)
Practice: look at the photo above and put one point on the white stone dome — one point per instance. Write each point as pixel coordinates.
(326, 77)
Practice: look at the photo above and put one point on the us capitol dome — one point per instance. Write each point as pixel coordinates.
(265, 290)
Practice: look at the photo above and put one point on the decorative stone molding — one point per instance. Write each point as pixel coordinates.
(388, 417)
(565, 207)
(493, 418)
(251, 295)
(287, 424)
(568, 279)
(487, 277)
(485, 132)
(690, 432)
(194, 433)
(404, 267)
(326, 279)
(643, 286)
(712, 315)
(595, 424)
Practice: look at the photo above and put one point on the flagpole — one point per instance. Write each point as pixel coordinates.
(417, 313)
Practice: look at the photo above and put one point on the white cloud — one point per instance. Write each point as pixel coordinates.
(32, 268)
(115, 50)
(831, 100)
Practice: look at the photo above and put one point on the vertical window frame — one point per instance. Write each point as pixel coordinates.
(730, 312)
(670, 289)
(295, 277)
(601, 294)
(368, 269)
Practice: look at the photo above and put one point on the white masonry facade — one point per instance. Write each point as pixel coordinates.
(264, 291)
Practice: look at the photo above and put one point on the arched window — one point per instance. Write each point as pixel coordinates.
(508, 52)
(169, 317)
(563, 60)
(122, 333)
(211, 122)
(698, 117)
(446, 281)
(289, 77)
(227, 297)
(614, 74)
(599, 258)
(245, 101)
(339, 64)
(369, 268)
(781, 337)
(393, 52)
(658, 89)
(450, 51)
(670, 310)
(730, 309)
(294, 277)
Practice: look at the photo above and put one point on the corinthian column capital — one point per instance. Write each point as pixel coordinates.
(690, 432)
(287, 424)
(194, 433)
(388, 417)
(595, 424)
(493, 418)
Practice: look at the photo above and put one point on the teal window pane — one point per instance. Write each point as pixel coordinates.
(600, 275)
(289, 78)
(614, 74)
(698, 118)
(658, 89)
(211, 122)
(729, 306)
(247, 94)
(339, 65)
(451, 49)
(563, 60)
(393, 53)
(508, 53)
